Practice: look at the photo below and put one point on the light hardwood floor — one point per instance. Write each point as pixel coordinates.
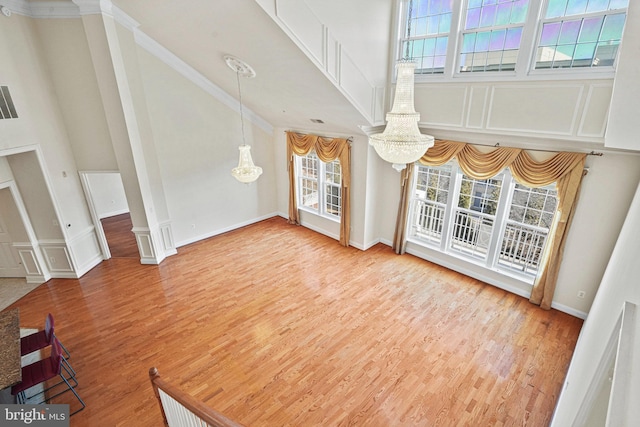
(120, 238)
(277, 325)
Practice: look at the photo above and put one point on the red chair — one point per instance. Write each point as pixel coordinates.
(42, 371)
(41, 339)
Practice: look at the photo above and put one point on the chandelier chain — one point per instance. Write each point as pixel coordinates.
(406, 55)
(240, 100)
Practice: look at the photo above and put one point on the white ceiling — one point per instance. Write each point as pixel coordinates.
(288, 90)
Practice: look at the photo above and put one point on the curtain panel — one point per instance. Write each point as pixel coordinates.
(565, 169)
(400, 238)
(327, 150)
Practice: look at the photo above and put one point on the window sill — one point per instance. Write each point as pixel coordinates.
(332, 218)
(510, 76)
(468, 266)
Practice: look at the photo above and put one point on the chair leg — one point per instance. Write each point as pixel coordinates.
(70, 368)
(67, 379)
(22, 399)
(73, 390)
(67, 354)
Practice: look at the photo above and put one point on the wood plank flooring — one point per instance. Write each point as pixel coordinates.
(120, 238)
(276, 325)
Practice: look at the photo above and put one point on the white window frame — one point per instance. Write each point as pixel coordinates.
(501, 221)
(321, 184)
(525, 63)
(585, 15)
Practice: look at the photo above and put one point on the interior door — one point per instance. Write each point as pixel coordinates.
(10, 264)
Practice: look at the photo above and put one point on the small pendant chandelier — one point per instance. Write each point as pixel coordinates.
(246, 171)
(401, 141)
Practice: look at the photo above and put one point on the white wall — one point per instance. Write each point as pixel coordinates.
(318, 32)
(39, 153)
(558, 115)
(619, 284)
(10, 215)
(35, 195)
(363, 28)
(605, 197)
(71, 69)
(622, 129)
(40, 119)
(108, 194)
(196, 141)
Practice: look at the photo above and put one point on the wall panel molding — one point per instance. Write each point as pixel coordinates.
(442, 105)
(148, 254)
(301, 21)
(477, 107)
(57, 257)
(167, 238)
(85, 251)
(534, 109)
(35, 273)
(316, 41)
(573, 110)
(593, 122)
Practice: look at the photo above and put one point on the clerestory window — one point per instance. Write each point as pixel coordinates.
(497, 223)
(452, 38)
(491, 35)
(426, 35)
(319, 186)
(576, 34)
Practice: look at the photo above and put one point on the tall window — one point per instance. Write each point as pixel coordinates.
(497, 222)
(427, 35)
(318, 188)
(493, 36)
(581, 33)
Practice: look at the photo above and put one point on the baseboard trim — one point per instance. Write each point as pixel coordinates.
(224, 230)
(572, 311)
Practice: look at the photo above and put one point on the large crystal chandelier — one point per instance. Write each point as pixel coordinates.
(401, 141)
(246, 171)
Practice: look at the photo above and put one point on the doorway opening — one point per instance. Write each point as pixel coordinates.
(110, 213)
(120, 238)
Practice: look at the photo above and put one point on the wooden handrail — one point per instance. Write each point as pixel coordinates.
(202, 411)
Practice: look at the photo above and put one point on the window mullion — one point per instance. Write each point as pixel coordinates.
(452, 202)
(299, 179)
(530, 34)
(411, 215)
(455, 38)
(502, 213)
(321, 189)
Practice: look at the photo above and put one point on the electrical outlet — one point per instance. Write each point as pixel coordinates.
(581, 294)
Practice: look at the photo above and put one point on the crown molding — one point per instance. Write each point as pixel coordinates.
(43, 9)
(188, 72)
(88, 7)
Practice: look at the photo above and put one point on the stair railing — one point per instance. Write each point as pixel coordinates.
(180, 409)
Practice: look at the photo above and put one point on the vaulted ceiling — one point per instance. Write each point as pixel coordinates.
(289, 89)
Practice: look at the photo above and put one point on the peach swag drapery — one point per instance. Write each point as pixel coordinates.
(327, 149)
(565, 169)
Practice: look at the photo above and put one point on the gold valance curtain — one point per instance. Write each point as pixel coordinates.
(327, 150)
(565, 169)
